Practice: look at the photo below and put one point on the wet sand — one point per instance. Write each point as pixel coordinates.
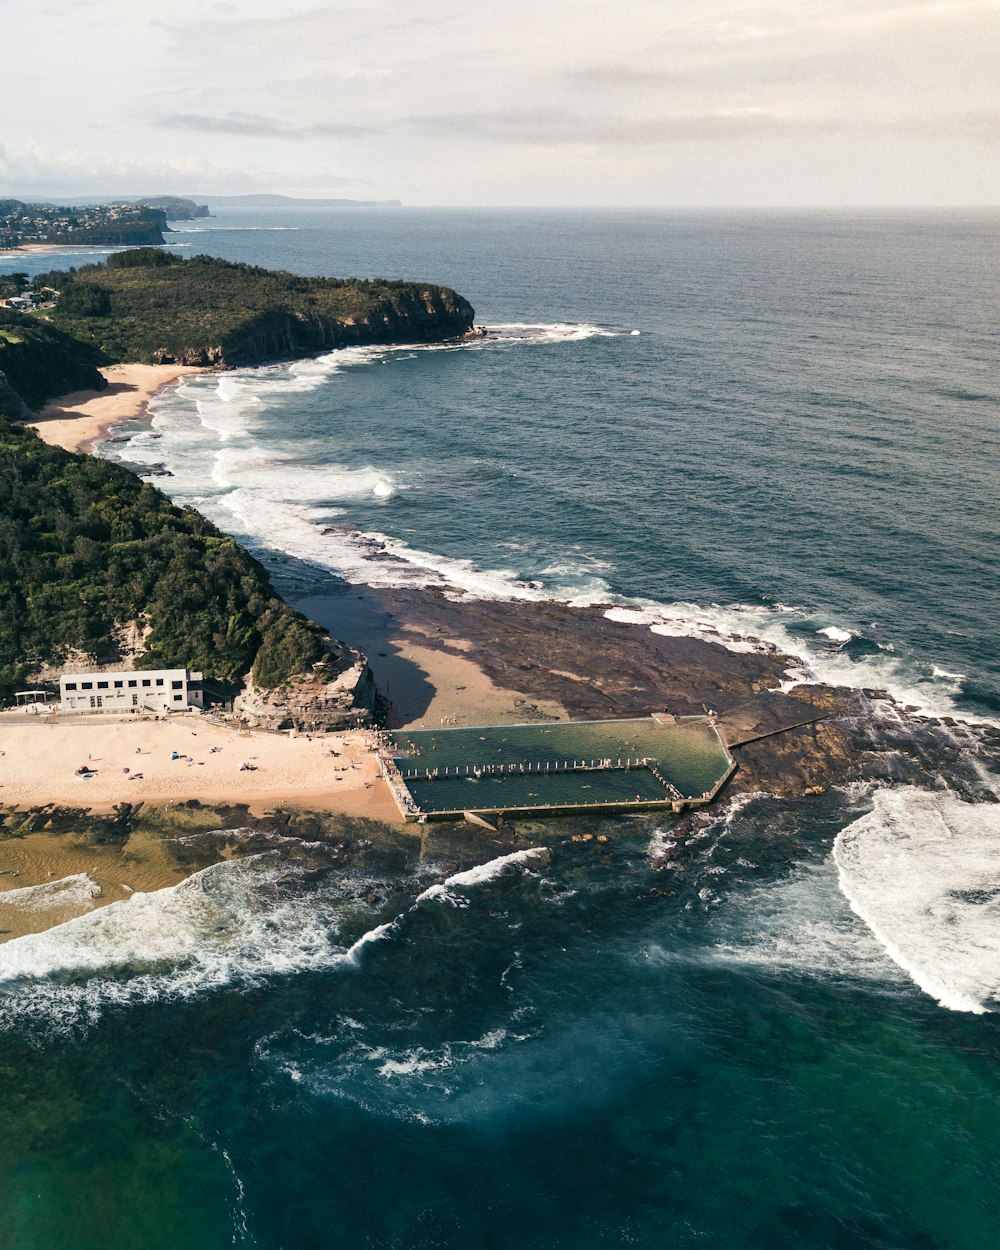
(75, 421)
(47, 878)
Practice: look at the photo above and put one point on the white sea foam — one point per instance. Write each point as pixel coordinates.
(540, 332)
(77, 891)
(922, 870)
(801, 926)
(233, 923)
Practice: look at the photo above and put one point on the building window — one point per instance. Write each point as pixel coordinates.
(176, 685)
(119, 685)
(146, 681)
(135, 699)
(87, 685)
(93, 701)
(102, 685)
(178, 698)
(71, 685)
(132, 685)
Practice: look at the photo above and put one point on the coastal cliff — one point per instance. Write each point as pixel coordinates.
(424, 314)
(148, 306)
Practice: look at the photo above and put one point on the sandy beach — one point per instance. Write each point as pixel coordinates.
(77, 420)
(132, 763)
(40, 249)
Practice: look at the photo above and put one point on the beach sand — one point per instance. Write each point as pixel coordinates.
(33, 249)
(39, 764)
(75, 421)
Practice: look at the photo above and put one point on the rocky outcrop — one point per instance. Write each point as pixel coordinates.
(310, 703)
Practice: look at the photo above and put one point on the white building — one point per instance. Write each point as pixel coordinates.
(158, 690)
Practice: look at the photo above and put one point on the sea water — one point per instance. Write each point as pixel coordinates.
(781, 1033)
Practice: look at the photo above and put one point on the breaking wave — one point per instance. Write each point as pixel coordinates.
(483, 874)
(922, 870)
(792, 631)
(233, 923)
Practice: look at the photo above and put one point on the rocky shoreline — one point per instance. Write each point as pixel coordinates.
(805, 740)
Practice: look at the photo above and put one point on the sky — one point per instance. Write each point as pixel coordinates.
(507, 102)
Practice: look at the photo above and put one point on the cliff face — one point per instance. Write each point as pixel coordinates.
(147, 232)
(425, 314)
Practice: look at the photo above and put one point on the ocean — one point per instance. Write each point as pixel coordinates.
(747, 426)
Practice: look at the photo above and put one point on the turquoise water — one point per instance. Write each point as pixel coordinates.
(487, 793)
(688, 754)
(780, 1034)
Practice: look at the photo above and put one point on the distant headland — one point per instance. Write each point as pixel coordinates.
(148, 306)
(292, 201)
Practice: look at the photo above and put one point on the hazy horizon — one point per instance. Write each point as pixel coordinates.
(686, 104)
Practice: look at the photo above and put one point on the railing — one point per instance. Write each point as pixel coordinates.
(526, 768)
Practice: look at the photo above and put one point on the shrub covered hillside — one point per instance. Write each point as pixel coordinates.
(40, 361)
(85, 546)
(149, 306)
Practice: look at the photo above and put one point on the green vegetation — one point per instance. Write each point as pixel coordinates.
(86, 546)
(40, 361)
(149, 306)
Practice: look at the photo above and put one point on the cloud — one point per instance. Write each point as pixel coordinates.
(528, 127)
(534, 127)
(252, 125)
(39, 170)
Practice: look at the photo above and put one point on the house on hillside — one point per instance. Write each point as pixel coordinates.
(156, 690)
